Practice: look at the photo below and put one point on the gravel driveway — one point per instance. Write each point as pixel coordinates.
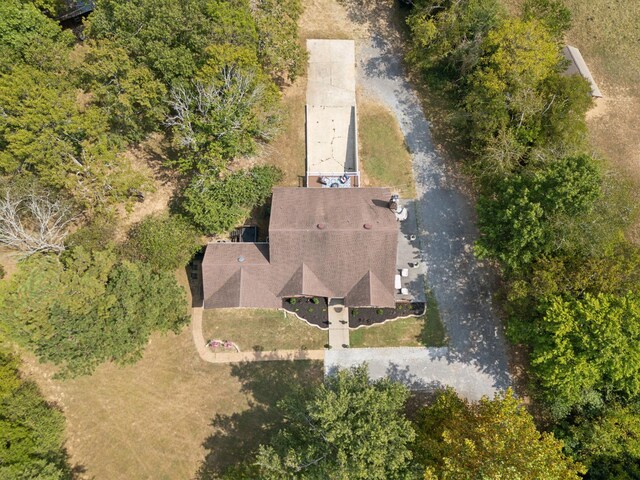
(462, 286)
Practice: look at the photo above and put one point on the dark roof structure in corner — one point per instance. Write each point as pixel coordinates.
(337, 243)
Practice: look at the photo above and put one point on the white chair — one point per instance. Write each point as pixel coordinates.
(404, 272)
(404, 291)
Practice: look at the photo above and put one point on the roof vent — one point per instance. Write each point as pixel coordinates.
(240, 259)
(321, 226)
(367, 226)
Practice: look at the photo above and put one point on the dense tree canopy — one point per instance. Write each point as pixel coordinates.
(349, 428)
(27, 36)
(165, 243)
(132, 97)
(489, 439)
(32, 431)
(449, 34)
(588, 345)
(216, 204)
(87, 308)
(523, 218)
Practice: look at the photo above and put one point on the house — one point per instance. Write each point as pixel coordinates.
(73, 9)
(334, 243)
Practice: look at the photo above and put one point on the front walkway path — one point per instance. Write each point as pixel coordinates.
(338, 325)
(210, 356)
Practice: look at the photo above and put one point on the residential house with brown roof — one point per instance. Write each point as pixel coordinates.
(334, 243)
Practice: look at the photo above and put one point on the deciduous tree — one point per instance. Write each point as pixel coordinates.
(349, 428)
(489, 439)
(88, 308)
(163, 242)
(46, 132)
(132, 97)
(587, 347)
(32, 431)
(222, 119)
(27, 36)
(33, 219)
(216, 204)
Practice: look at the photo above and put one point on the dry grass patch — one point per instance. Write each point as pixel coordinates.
(288, 150)
(148, 420)
(260, 329)
(607, 35)
(385, 160)
(158, 419)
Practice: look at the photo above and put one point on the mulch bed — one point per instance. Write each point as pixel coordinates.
(314, 313)
(370, 316)
(317, 314)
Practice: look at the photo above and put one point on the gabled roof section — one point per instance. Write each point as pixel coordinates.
(338, 243)
(370, 291)
(305, 282)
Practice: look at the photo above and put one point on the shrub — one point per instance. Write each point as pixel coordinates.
(217, 204)
(379, 311)
(164, 242)
(293, 301)
(315, 300)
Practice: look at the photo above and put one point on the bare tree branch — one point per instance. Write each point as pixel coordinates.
(33, 222)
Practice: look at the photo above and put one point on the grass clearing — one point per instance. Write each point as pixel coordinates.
(385, 160)
(607, 35)
(288, 150)
(259, 329)
(158, 419)
(426, 330)
(161, 417)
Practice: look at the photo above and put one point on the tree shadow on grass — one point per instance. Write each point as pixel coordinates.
(237, 436)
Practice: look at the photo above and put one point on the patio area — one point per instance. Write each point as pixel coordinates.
(411, 270)
(330, 113)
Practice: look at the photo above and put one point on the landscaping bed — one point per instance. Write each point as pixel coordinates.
(312, 309)
(359, 317)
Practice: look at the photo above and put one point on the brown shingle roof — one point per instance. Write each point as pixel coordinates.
(338, 243)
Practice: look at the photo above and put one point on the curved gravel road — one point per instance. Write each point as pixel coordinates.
(462, 286)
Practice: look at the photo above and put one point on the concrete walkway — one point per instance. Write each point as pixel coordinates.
(462, 285)
(338, 326)
(210, 356)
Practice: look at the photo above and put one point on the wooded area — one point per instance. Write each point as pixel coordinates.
(551, 214)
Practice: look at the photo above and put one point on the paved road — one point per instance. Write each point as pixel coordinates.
(462, 286)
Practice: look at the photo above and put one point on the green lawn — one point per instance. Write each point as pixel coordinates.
(259, 329)
(426, 330)
(385, 159)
